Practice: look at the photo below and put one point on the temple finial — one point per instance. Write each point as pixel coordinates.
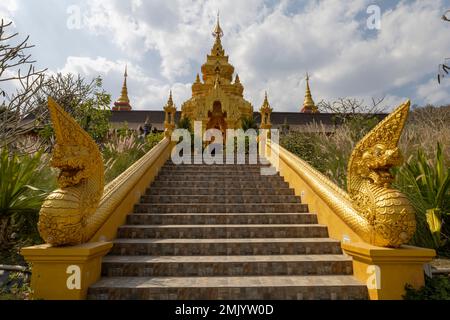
(170, 101)
(266, 101)
(218, 33)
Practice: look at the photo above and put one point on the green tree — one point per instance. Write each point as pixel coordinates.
(19, 82)
(87, 102)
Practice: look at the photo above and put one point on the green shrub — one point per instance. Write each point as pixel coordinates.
(21, 196)
(17, 287)
(426, 182)
(184, 123)
(436, 288)
(152, 140)
(19, 200)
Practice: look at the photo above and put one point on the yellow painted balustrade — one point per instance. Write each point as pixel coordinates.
(67, 271)
(373, 221)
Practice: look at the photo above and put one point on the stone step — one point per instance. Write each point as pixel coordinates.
(220, 207)
(210, 170)
(211, 175)
(246, 163)
(202, 247)
(221, 183)
(335, 287)
(214, 167)
(221, 218)
(212, 198)
(219, 191)
(221, 178)
(223, 231)
(209, 266)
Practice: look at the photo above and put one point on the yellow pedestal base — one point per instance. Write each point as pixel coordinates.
(386, 271)
(65, 273)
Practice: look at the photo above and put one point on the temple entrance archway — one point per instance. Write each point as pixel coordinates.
(217, 118)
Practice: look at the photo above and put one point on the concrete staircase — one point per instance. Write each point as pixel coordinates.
(224, 232)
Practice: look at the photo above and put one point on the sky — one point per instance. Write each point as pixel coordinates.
(347, 50)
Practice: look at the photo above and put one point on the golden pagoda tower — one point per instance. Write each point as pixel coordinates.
(308, 104)
(169, 116)
(265, 111)
(123, 103)
(217, 101)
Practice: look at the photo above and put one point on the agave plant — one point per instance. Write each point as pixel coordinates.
(427, 184)
(19, 200)
(249, 123)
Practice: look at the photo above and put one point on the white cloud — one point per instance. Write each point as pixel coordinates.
(271, 44)
(144, 92)
(432, 93)
(272, 48)
(8, 8)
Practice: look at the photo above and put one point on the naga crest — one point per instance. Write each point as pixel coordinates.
(377, 152)
(387, 210)
(63, 215)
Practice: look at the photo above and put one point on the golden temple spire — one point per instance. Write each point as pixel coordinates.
(266, 101)
(169, 116)
(308, 104)
(170, 100)
(217, 49)
(218, 32)
(123, 103)
(265, 111)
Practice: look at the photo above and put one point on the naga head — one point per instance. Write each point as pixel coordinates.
(376, 162)
(74, 161)
(378, 152)
(75, 153)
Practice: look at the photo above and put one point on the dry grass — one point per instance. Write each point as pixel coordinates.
(330, 152)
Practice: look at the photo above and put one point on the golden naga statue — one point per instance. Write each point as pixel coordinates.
(66, 213)
(388, 217)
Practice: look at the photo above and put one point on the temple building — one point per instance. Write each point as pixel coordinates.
(218, 102)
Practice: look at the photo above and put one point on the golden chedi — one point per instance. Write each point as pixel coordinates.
(308, 104)
(217, 101)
